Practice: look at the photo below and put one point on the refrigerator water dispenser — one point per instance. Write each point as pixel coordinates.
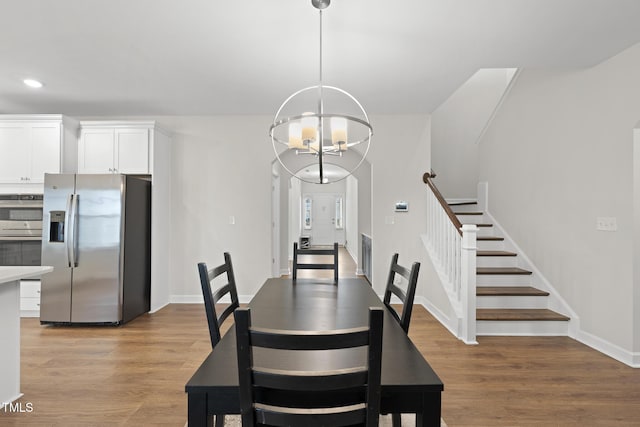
(56, 226)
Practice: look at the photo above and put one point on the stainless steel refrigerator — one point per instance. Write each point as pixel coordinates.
(97, 235)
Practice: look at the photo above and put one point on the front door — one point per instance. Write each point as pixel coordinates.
(323, 228)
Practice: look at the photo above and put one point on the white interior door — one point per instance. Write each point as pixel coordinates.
(323, 226)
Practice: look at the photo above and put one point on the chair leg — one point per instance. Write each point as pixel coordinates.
(396, 420)
(219, 421)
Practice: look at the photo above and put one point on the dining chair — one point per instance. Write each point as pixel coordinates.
(297, 265)
(284, 396)
(405, 297)
(211, 297)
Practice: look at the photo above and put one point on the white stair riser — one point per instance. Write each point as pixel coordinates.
(496, 261)
(464, 208)
(503, 279)
(522, 328)
(511, 302)
(490, 245)
(486, 232)
(471, 219)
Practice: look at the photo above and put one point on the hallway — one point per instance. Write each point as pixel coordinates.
(346, 266)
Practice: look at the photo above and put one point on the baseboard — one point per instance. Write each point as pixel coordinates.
(614, 351)
(10, 400)
(29, 313)
(446, 321)
(155, 310)
(359, 271)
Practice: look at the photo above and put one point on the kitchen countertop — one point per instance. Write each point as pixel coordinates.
(10, 328)
(10, 274)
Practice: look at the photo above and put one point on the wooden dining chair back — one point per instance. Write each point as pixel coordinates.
(213, 296)
(298, 265)
(405, 297)
(284, 396)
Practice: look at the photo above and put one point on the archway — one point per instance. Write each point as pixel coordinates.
(285, 218)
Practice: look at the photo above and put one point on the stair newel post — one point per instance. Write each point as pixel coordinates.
(468, 283)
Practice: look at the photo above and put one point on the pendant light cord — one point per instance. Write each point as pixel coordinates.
(320, 11)
(320, 102)
(320, 111)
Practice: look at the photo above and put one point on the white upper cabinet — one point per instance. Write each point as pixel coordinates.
(31, 146)
(45, 150)
(15, 148)
(132, 150)
(115, 147)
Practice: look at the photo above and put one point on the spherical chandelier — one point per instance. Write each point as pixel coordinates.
(320, 125)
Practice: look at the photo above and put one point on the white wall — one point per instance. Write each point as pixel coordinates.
(295, 214)
(161, 221)
(221, 167)
(636, 241)
(351, 217)
(399, 157)
(557, 156)
(456, 126)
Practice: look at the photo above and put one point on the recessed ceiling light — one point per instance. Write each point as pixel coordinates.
(33, 83)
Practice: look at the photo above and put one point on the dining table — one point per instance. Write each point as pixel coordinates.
(408, 383)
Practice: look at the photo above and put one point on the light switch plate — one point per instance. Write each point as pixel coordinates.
(606, 224)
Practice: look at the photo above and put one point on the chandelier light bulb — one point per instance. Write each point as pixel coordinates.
(339, 132)
(309, 127)
(295, 135)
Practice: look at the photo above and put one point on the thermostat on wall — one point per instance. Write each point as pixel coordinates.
(402, 206)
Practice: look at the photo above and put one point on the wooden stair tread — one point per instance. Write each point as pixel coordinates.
(462, 203)
(510, 291)
(468, 213)
(501, 270)
(491, 238)
(483, 224)
(495, 253)
(519, 314)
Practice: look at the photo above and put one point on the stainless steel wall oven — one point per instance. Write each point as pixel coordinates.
(20, 229)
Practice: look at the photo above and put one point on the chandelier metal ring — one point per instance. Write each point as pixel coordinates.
(312, 128)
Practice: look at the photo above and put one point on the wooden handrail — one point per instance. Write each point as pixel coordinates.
(426, 178)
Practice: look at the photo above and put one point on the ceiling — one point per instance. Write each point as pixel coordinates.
(203, 57)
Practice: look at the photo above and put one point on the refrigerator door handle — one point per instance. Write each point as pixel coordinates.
(67, 232)
(73, 261)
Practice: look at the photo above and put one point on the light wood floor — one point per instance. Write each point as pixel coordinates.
(134, 375)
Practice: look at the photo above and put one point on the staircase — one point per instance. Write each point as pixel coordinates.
(507, 301)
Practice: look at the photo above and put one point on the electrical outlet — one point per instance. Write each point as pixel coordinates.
(606, 224)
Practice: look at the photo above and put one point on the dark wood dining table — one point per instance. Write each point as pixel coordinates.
(409, 384)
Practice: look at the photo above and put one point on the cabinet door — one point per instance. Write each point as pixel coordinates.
(96, 151)
(132, 147)
(15, 148)
(45, 150)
